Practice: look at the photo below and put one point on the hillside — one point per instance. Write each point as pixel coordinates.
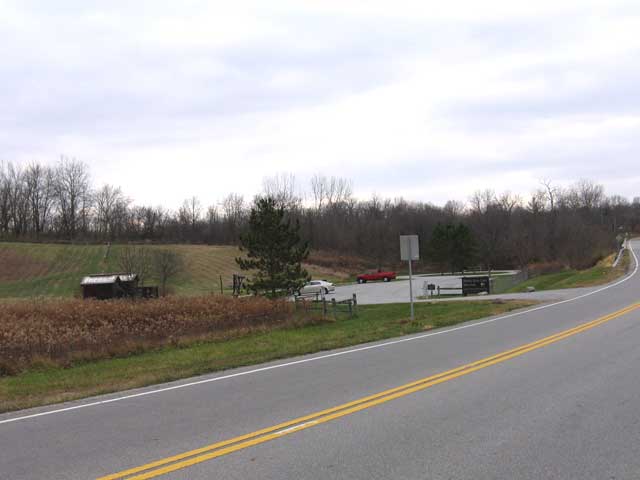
(34, 269)
(602, 273)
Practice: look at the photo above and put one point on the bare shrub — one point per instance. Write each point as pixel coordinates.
(166, 265)
(135, 260)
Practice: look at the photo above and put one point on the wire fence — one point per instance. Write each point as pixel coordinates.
(319, 303)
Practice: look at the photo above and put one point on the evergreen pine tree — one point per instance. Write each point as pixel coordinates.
(452, 246)
(439, 246)
(274, 250)
(464, 247)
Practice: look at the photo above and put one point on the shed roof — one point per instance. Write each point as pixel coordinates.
(128, 278)
(106, 279)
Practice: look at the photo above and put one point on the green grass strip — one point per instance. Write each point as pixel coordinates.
(591, 277)
(374, 322)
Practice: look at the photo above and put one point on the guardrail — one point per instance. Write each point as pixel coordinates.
(619, 257)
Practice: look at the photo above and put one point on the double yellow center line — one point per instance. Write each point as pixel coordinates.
(193, 457)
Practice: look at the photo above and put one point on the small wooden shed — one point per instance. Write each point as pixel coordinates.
(109, 285)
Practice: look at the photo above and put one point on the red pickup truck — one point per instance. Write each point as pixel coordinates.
(371, 277)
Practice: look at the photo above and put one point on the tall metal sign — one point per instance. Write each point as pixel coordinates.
(410, 251)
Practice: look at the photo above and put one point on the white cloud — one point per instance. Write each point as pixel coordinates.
(426, 100)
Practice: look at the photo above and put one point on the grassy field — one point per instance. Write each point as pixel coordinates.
(45, 385)
(34, 269)
(600, 274)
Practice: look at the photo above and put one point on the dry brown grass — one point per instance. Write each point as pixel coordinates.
(608, 260)
(52, 332)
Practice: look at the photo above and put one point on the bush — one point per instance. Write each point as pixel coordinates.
(36, 333)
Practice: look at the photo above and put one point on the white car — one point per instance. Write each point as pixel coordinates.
(317, 286)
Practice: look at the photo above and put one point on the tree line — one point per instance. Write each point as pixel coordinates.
(574, 225)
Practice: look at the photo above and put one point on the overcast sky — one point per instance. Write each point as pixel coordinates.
(426, 100)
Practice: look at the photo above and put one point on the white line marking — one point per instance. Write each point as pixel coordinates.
(295, 427)
(322, 357)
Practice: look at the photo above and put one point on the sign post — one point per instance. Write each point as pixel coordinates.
(410, 250)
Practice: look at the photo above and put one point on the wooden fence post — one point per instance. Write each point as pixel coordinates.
(355, 305)
(335, 312)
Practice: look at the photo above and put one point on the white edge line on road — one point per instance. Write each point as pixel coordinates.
(322, 357)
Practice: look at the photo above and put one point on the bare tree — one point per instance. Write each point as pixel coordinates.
(574, 225)
(490, 218)
(4, 199)
(189, 218)
(39, 181)
(339, 191)
(589, 194)
(453, 209)
(72, 191)
(482, 200)
(166, 265)
(108, 202)
(283, 189)
(552, 192)
(190, 212)
(213, 216)
(195, 210)
(233, 207)
(213, 221)
(151, 221)
(318, 191)
(330, 191)
(509, 201)
(538, 202)
(18, 200)
(136, 260)
(123, 223)
(553, 195)
(522, 241)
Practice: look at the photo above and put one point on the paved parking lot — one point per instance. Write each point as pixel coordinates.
(397, 291)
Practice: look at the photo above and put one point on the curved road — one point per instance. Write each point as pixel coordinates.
(553, 392)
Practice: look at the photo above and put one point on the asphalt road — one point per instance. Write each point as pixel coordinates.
(566, 407)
